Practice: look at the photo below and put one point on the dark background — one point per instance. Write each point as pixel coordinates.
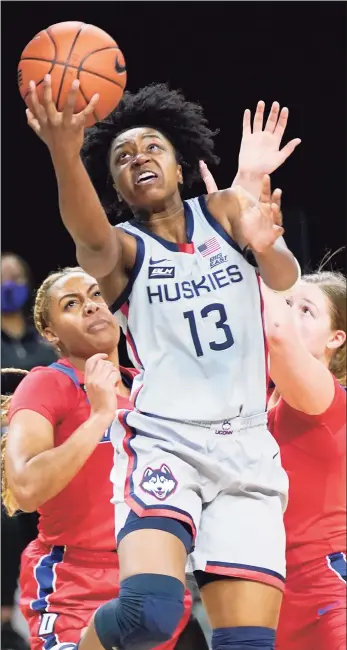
(227, 55)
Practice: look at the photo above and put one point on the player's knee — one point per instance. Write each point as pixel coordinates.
(148, 609)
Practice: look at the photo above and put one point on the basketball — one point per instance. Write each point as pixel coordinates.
(74, 50)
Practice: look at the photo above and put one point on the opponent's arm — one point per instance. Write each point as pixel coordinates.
(257, 226)
(99, 246)
(302, 381)
(36, 471)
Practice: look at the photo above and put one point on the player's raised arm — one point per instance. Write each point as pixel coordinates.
(99, 246)
(257, 226)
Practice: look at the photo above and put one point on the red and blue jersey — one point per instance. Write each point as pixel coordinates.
(313, 452)
(81, 515)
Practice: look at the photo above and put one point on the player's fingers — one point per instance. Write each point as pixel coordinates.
(104, 373)
(265, 192)
(114, 376)
(288, 149)
(47, 101)
(276, 215)
(271, 121)
(92, 361)
(278, 231)
(102, 369)
(210, 183)
(276, 198)
(70, 103)
(36, 108)
(258, 117)
(246, 125)
(88, 110)
(32, 121)
(281, 123)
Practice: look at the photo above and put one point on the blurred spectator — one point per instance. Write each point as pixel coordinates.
(21, 345)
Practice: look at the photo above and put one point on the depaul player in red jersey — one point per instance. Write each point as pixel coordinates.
(58, 461)
(306, 334)
(307, 345)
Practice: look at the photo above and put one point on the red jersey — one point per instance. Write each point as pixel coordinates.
(313, 451)
(81, 515)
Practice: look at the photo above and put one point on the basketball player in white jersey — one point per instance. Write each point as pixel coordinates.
(196, 471)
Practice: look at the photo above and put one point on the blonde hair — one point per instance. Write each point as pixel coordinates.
(333, 285)
(8, 500)
(42, 300)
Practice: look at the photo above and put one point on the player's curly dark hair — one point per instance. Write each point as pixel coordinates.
(182, 122)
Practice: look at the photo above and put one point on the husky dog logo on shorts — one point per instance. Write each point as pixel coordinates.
(159, 482)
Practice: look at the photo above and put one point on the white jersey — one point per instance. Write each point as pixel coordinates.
(192, 316)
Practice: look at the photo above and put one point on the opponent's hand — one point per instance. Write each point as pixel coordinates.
(100, 379)
(210, 183)
(62, 132)
(275, 197)
(260, 148)
(259, 223)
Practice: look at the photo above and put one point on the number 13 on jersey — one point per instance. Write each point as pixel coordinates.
(216, 310)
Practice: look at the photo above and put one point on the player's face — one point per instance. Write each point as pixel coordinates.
(313, 320)
(80, 320)
(144, 169)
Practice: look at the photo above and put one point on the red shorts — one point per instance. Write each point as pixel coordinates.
(313, 614)
(61, 589)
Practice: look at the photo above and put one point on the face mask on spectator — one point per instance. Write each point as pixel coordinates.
(13, 296)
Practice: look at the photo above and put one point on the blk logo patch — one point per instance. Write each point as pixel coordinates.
(161, 272)
(159, 482)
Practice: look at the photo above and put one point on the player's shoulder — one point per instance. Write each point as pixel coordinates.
(45, 379)
(47, 391)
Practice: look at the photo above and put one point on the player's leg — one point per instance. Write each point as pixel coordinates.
(240, 551)
(55, 596)
(155, 515)
(152, 585)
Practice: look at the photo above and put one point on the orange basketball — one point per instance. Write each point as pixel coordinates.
(74, 50)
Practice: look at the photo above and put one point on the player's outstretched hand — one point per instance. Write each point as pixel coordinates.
(260, 151)
(276, 197)
(100, 379)
(260, 222)
(62, 132)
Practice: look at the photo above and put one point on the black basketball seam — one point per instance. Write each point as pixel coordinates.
(96, 74)
(99, 49)
(75, 67)
(52, 61)
(38, 58)
(66, 65)
(54, 44)
(95, 115)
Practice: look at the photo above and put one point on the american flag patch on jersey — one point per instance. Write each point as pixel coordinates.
(209, 246)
